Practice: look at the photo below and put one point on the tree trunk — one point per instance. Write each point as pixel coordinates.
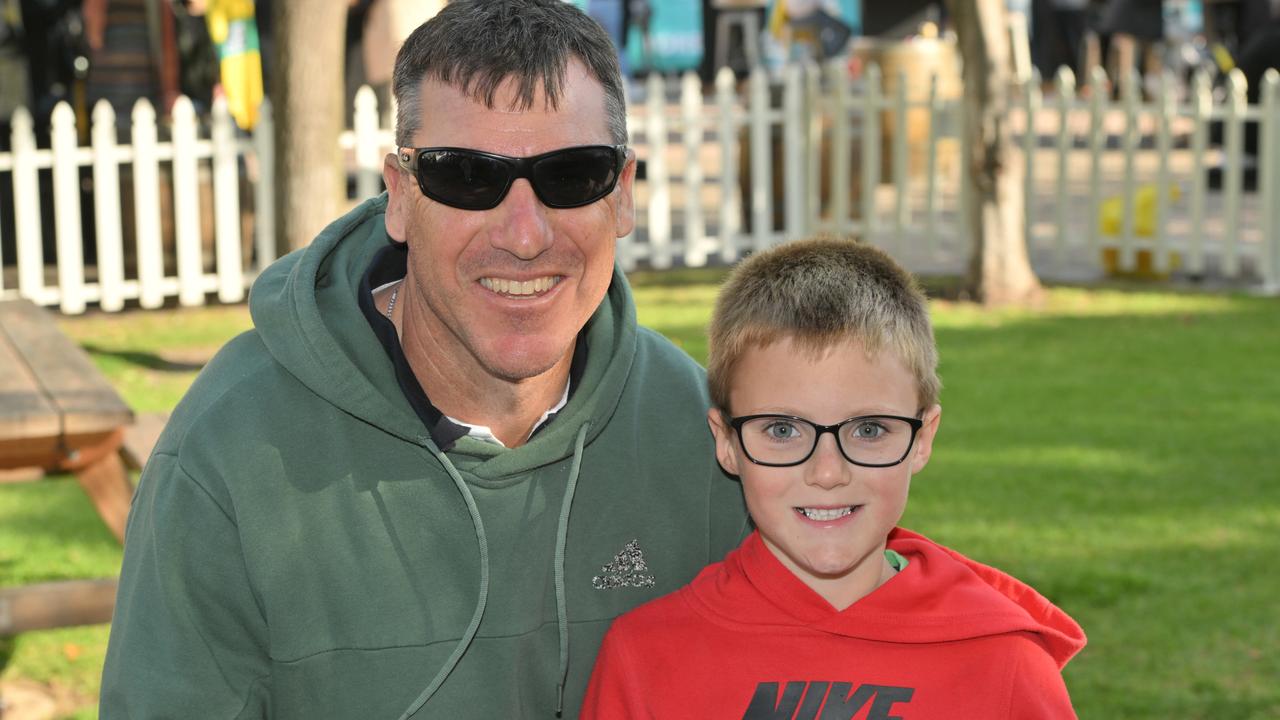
(306, 95)
(999, 270)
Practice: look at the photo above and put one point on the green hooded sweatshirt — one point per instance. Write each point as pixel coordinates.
(298, 546)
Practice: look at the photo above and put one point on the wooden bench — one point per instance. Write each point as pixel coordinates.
(58, 413)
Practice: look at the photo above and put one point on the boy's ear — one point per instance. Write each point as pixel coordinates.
(924, 439)
(724, 441)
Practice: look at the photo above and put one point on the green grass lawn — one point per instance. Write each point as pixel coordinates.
(1115, 448)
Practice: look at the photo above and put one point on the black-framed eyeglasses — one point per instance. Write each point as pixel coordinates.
(475, 180)
(787, 440)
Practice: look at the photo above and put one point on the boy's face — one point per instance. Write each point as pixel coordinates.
(842, 558)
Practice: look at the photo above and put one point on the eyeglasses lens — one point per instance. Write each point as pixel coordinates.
(872, 440)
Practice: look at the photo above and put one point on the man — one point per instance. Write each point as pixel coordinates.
(446, 458)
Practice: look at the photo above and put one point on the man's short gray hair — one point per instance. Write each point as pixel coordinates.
(476, 45)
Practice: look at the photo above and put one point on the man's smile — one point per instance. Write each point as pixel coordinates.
(521, 288)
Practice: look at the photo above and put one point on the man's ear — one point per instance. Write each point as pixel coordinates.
(399, 185)
(724, 441)
(924, 439)
(625, 218)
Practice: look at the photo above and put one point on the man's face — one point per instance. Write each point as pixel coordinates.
(506, 290)
(826, 519)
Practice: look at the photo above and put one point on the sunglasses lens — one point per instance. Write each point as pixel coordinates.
(463, 180)
(575, 177)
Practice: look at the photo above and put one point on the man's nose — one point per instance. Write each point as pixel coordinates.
(524, 228)
(827, 467)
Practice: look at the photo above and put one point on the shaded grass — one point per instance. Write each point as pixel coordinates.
(1114, 448)
(152, 357)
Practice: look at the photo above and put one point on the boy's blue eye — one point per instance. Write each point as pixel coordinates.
(868, 430)
(781, 430)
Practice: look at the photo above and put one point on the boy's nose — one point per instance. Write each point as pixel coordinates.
(827, 467)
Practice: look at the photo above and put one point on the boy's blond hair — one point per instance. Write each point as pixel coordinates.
(819, 293)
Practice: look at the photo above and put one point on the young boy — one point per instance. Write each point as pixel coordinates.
(822, 374)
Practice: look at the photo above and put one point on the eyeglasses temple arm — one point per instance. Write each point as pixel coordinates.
(404, 158)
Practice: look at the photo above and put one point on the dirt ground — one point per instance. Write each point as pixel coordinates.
(27, 700)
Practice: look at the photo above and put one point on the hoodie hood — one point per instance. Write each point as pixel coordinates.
(940, 596)
(304, 309)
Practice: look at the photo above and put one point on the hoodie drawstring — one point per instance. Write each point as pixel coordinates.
(470, 632)
(562, 536)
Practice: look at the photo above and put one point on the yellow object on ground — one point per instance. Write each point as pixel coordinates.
(1111, 213)
(1111, 224)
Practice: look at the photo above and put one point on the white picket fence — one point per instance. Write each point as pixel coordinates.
(107, 282)
(1116, 187)
(1083, 159)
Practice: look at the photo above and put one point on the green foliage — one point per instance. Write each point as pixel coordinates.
(1113, 448)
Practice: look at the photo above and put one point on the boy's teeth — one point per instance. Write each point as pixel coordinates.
(825, 513)
(519, 287)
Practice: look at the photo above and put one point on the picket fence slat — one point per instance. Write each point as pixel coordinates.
(659, 182)
(761, 160)
(931, 199)
(815, 107)
(1233, 167)
(1128, 187)
(146, 207)
(26, 207)
(106, 206)
(1066, 84)
(900, 160)
(841, 145)
(1269, 182)
(870, 149)
(1031, 102)
(1097, 105)
(730, 197)
(186, 205)
(695, 225)
(264, 207)
(960, 118)
(66, 210)
(367, 150)
(1167, 103)
(226, 210)
(794, 152)
(1199, 186)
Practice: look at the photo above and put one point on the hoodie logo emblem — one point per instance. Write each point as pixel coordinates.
(843, 701)
(628, 569)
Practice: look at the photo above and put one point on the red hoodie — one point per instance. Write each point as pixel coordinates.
(944, 638)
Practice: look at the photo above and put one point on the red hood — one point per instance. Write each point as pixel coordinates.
(941, 596)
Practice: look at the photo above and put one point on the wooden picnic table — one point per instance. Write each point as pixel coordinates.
(58, 413)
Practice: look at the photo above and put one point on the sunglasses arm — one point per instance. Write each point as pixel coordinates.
(406, 159)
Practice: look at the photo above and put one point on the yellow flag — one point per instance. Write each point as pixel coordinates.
(778, 18)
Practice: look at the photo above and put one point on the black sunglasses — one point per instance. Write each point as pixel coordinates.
(474, 180)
